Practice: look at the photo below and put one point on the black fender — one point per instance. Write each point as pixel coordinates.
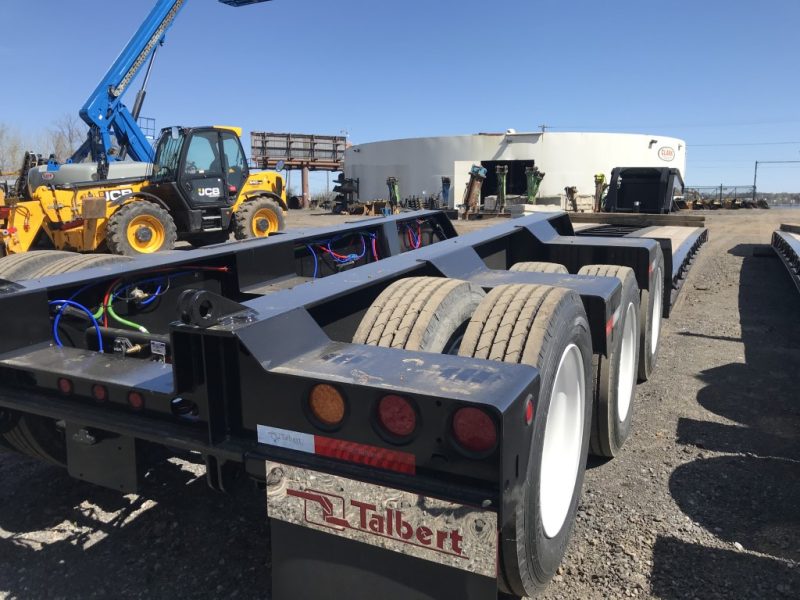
(270, 195)
(125, 198)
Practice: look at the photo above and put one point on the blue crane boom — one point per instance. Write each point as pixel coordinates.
(105, 112)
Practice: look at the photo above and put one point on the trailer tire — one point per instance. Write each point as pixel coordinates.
(545, 327)
(652, 305)
(428, 314)
(539, 267)
(258, 218)
(34, 435)
(77, 262)
(8, 419)
(140, 227)
(17, 267)
(614, 379)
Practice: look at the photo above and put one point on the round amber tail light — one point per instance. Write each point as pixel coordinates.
(327, 405)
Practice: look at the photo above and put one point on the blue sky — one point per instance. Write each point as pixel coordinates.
(710, 71)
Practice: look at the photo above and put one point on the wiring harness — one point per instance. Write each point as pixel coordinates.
(140, 292)
(321, 250)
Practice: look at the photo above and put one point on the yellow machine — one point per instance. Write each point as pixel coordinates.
(199, 189)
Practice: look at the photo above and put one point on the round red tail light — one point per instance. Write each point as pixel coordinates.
(397, 416)
(64, 386)
(99, 392)
(136, 400)
(474, 430)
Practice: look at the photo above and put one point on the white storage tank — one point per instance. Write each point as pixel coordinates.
(567, 159)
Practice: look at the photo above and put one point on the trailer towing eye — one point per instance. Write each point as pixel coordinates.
(201, 308)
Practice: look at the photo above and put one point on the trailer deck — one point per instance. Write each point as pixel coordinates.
(786, 242)
(680, 236)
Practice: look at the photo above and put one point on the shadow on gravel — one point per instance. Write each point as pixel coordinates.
(695, 571)
(725, 496)
(87, 542)
(750, 497)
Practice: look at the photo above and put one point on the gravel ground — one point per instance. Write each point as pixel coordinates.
(702, 503)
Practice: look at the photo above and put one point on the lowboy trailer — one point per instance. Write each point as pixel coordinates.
(418, 405)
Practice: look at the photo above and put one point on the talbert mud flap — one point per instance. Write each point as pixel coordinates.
(435, 530)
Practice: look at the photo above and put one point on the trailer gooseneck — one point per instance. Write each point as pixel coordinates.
(419, 405)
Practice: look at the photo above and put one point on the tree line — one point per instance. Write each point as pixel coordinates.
(60, 139)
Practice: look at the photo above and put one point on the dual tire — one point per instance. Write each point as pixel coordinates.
(652, 303)
(542, 326)
(614, 376)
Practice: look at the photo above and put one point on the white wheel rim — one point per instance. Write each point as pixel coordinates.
(655, 329)
(563, 436)
(627, 363)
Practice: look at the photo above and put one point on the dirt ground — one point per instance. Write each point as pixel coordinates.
(704, 501)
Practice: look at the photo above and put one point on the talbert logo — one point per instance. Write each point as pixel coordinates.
(328, 510)
(666, 153)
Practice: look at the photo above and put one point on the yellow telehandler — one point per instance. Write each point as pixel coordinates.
(198, 189)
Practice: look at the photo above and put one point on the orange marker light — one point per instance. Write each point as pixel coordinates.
(327, 404)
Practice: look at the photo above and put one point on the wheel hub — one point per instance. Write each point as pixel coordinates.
(144, 234)
(658, 290)
(627, 364)
(263, 222)
(563, 439)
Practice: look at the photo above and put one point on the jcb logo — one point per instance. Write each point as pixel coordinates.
(209, 192)
(113, 195)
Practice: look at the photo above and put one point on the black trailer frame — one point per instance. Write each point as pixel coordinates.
(678, 254)
(252, 334)
(786, 243)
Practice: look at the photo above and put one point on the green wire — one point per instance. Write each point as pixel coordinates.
(119, 319)
(116, 317)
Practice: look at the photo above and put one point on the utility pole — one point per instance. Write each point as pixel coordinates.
(755, 179)
(544, 127)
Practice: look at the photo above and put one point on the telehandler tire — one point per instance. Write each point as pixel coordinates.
(33, 435)
(140, 227)
(429, 314)
(615, 376)
(539, 267)
(258, 218)
(545, 327)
